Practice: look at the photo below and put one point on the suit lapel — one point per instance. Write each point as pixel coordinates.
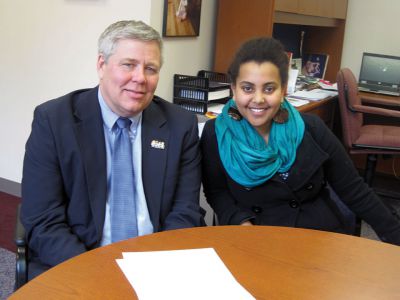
(155, 140)
(90, 136)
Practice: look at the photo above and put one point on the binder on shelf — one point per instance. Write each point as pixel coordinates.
(214, 76)
(195, 92)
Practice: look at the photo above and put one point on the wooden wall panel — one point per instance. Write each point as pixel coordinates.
(238, 21)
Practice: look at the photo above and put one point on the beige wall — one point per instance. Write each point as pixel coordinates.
(371, 26)
(185, 55)
(48, 48)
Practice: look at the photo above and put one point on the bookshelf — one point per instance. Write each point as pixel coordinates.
(323, 25)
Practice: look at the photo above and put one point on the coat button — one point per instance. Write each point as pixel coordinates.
(293, 203)
(256, 209)
(310, 186)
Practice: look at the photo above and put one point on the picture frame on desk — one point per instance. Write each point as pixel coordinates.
(314, 65)
(181, 18)
(297, 64)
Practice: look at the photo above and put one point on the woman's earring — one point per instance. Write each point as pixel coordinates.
(282, 115)
(234, 114)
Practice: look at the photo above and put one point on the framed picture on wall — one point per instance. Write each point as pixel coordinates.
(181, 18)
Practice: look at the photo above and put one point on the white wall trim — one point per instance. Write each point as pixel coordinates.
(10, 187)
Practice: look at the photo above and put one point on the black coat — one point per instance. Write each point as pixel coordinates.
(304, 199)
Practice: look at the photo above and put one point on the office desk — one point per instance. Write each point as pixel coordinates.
(270, 262)
(371, 98)
(383, 101)
(325, 109)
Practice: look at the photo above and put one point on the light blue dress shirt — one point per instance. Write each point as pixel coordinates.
(143, 218)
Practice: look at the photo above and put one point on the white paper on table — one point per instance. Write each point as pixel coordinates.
(215, 107)
(313, 95)
(181, 274)
(297, 102)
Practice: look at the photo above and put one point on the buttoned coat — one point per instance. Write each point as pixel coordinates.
(64, 188)
(323, 187)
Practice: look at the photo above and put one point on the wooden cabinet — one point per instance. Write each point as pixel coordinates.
(327, 40)
(319, 8)
(339, 9)
(290, 6)
(238, 21)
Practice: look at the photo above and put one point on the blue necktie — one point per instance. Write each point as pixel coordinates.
(123, 209)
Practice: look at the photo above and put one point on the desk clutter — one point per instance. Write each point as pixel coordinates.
(306, 79)
(309, 90)
(196, 93)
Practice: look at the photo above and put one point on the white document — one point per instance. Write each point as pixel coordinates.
(181, 274)
(293, 73)
(297, 102)
(220, 94)
(215, 107)
(313, 95)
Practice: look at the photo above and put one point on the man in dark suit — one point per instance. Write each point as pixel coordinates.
(68, 175)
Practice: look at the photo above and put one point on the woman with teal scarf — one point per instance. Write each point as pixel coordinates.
(264, 163)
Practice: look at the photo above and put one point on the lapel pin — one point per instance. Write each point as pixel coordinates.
(157, 144)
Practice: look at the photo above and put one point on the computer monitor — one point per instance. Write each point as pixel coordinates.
(380, 73)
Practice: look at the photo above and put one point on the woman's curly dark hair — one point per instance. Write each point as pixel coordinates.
(261, 50)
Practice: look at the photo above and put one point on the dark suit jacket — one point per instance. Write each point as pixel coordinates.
(304, 200)
(64, 187)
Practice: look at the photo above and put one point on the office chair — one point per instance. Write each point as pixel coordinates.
(360, 138)
(21, 266)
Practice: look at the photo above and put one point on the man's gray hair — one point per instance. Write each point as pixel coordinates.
(125, 30)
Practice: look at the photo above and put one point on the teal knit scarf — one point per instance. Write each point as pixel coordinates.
(246, 157)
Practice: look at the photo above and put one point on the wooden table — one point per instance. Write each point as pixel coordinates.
(372, 98)
(270, 262)
(325, 109)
